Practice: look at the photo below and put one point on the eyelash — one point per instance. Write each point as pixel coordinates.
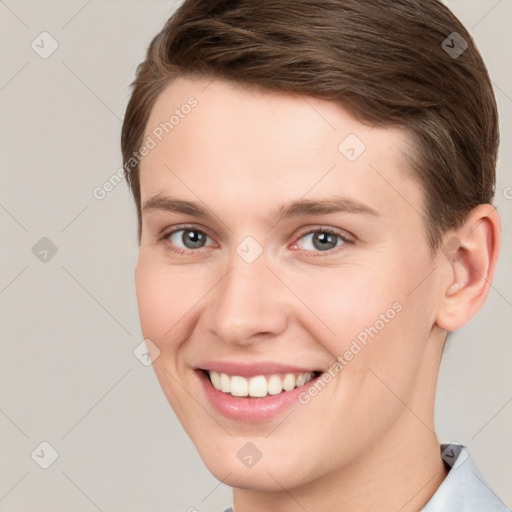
(325, 229)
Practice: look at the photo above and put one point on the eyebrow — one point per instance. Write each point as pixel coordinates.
(298, 208)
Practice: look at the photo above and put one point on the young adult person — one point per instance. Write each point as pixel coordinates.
(314, 186)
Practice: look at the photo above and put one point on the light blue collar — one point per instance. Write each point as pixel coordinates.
(464, 489)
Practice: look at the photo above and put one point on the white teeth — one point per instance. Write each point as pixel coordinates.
(215, 378)
(239, 386)
(289, 382)
(225, 383)
(258, 386)
(274, 385)
(301, 380)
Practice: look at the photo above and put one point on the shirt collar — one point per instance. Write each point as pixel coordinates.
(464, 489)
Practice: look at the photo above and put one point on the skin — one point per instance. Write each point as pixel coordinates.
(367, 441)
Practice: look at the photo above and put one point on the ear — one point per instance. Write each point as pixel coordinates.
(469, 257)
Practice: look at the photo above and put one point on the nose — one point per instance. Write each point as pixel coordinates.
(249, 304)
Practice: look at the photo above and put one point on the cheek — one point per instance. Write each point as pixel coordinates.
(159, 297)
(169, 298)
(366, 317)
(348, 303)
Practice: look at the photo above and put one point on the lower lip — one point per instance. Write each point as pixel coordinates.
(251, 410)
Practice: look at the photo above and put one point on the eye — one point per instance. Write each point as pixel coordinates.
(186, 239)
(321, 239)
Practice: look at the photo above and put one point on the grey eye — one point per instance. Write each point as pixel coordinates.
(322, 240)
(189, 238)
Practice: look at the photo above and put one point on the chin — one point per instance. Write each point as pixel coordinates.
(267, 474)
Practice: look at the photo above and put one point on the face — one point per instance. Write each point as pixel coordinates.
(283, 255)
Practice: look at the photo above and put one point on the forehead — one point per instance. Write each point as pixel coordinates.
(228, 142)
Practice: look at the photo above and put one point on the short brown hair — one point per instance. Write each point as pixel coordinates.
(387, 62)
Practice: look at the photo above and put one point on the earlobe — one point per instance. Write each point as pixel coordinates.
(469, 256)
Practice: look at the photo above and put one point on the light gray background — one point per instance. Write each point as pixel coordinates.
(69, 326)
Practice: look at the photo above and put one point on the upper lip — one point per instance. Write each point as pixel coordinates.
(252, 369)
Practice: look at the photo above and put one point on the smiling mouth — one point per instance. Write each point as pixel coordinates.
(258, 386)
